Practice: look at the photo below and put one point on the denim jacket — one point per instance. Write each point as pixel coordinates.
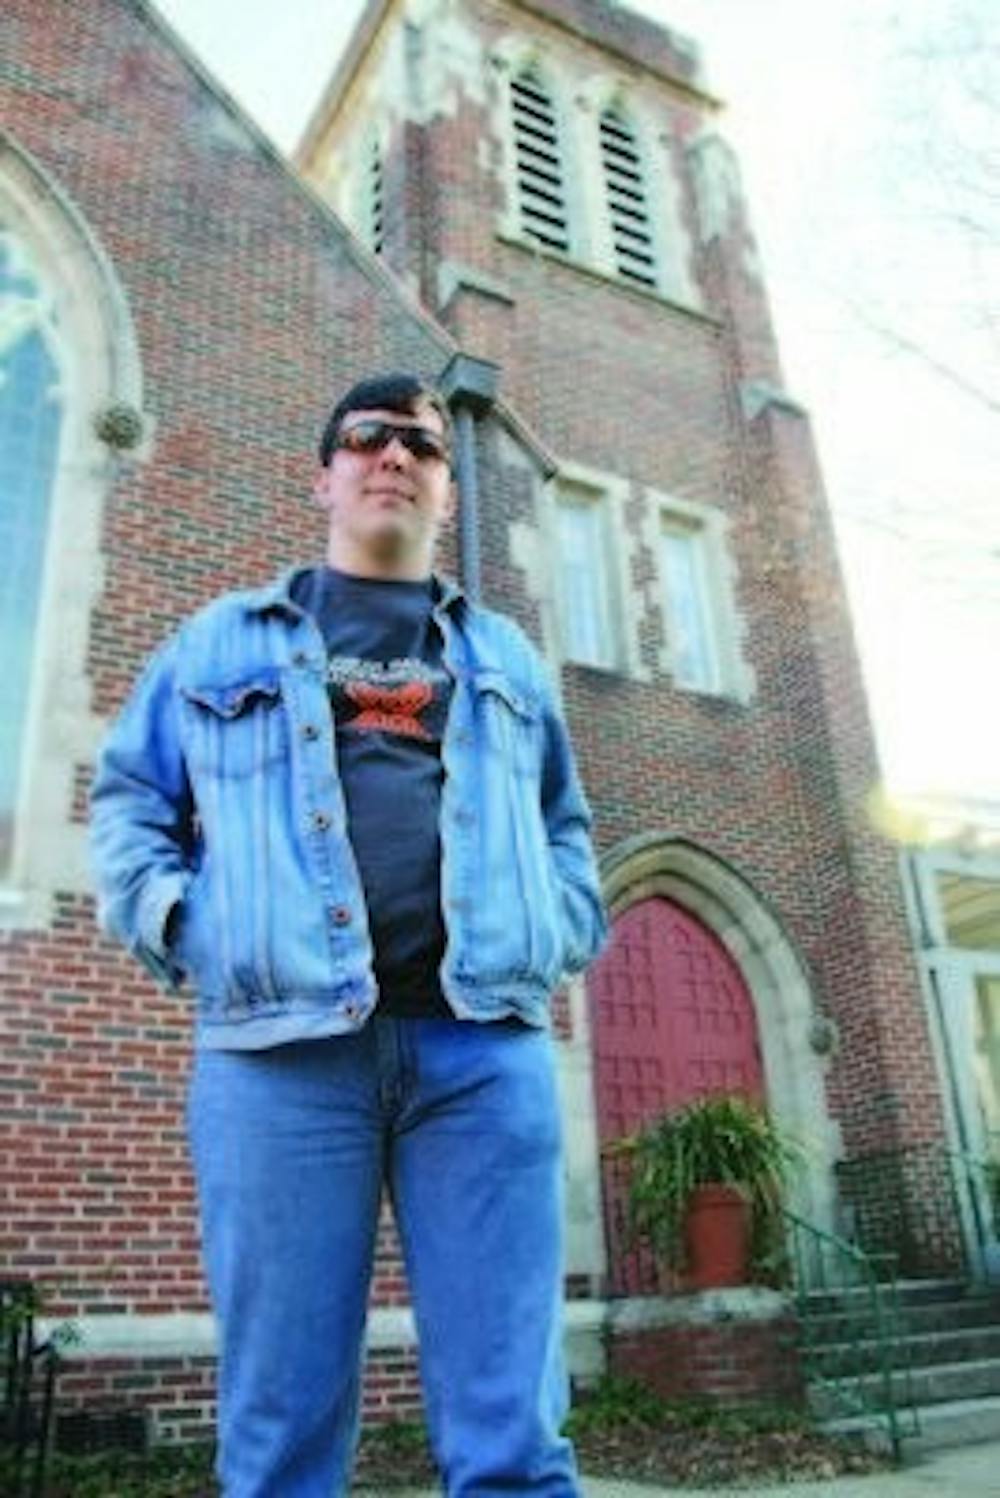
(220, 843)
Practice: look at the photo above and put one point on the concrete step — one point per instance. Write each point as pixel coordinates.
(940, 1384)
(962, 1345)
(836, 1301)
(956, 1422)
(930, 1316)
(913, 1311)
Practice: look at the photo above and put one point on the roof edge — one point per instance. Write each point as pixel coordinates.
(376, 13)
(689, 86)
(366, 29)
(365, 260)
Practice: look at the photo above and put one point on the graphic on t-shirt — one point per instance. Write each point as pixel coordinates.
(393, 709)
(405, 697)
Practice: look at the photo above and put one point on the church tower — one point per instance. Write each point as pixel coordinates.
(548, 178)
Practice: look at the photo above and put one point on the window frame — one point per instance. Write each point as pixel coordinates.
(45, 321)
(100, 368)
(531, 70)
(373, 192)
(734, 679)
(625, 117)
(608, 493)
(598, 585)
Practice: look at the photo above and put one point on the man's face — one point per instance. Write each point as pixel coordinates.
(386, 506)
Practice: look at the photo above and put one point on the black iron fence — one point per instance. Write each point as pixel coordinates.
(30, 1365)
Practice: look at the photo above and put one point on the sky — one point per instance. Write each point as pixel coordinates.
(866, 131)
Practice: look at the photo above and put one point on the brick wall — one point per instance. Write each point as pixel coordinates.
(176, 1395)
(656, 393)
(96, 1194)
(253, 309)
(735, 1363)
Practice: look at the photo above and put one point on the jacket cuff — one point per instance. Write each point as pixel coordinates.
(587, 931)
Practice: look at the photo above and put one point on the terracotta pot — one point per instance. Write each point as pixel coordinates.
(717, 1237)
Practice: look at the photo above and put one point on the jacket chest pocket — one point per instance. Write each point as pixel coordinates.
(509, 723)
(236, 729)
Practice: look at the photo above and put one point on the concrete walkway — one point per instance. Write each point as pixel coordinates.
(965, 1472)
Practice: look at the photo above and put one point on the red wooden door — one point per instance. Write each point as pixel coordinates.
(671, 1020)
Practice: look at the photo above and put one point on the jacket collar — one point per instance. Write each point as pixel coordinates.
(277, 593)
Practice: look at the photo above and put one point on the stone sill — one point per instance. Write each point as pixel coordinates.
(606, 278)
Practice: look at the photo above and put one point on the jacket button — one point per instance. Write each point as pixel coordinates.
(340, 915)
(320, 820)
(300, 658)
(310, 731)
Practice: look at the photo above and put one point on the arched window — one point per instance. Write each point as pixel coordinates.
(627, 204)
(31, 414)
(68, 357)
(538, 165)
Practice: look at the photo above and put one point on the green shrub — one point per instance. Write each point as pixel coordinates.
(615, 1403)
(720, 1139)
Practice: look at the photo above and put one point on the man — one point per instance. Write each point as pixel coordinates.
(346, 807)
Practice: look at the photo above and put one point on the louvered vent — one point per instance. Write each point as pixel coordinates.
(540, 187)
(375, 188)
(631, 231)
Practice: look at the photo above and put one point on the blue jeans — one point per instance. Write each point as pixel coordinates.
(291, 1148)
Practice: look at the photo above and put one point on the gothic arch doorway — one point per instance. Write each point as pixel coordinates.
(712, 945)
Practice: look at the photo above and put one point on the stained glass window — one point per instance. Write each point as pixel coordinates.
(30, 419)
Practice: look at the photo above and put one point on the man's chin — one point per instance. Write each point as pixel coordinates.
(390, 542)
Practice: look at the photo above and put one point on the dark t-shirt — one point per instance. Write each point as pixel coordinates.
(389, 693)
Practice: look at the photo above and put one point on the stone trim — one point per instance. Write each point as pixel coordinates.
(741, 1304)
(193, 1333)
(100, 369)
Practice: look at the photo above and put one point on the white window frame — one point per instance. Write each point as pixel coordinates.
(348, 184)
(579, 102)
(708, 677)
(576, 484)
(626, 116)
(664, 191)
(531, 74)
(732, 677)
(512, 57)
(370, 192)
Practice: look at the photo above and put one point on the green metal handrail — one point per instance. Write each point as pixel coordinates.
(864, 1292)
(987, 1169)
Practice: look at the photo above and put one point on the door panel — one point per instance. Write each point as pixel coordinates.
(672, 1020)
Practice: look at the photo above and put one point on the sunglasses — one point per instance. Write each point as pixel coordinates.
(373, 436)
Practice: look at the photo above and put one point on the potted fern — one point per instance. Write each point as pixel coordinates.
(705, 1186)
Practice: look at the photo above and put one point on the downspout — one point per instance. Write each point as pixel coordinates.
(470, 388)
